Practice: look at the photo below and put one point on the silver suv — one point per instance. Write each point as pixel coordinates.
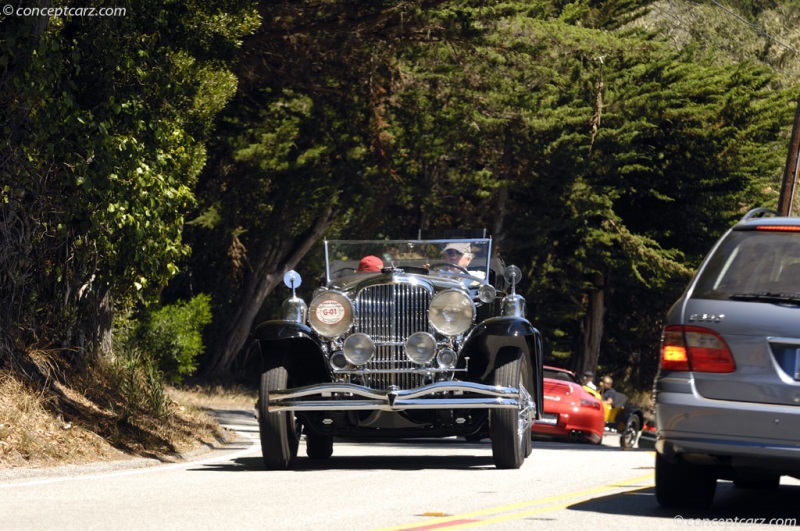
(727, 395)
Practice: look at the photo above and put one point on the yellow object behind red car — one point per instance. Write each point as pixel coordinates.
(570, 410)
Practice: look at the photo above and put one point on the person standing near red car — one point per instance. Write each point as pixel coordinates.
(608, 392)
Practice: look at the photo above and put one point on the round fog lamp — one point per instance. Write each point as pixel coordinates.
(447, 359)
(338, 361)
(358, 349)
(420, 347)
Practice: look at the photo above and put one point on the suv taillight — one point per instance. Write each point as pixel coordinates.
(692, 348)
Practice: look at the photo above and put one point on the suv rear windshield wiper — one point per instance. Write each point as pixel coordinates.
(767, 296)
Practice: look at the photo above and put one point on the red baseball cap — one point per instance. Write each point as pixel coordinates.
(370, 264)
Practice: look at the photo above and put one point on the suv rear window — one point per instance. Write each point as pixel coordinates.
(751, 262)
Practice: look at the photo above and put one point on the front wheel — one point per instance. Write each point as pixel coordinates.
(510, 429)
(279, 432)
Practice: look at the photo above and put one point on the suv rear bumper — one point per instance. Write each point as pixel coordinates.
(739, 433)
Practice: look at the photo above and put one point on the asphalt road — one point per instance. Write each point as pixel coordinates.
(422, 485)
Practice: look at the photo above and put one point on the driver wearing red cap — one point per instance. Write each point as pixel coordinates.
(370, 264)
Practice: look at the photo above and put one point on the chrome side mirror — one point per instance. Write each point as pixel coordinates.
(512, 274)
(294, 309)
(513, 304)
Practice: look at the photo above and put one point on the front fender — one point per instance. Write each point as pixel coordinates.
(279, 330)
(487, 338)
(295, 346)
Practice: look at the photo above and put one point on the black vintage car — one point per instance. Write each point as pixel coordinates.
(423, 338)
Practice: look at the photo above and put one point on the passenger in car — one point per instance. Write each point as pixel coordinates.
(370, 264)
(609, 393)
(588, 380)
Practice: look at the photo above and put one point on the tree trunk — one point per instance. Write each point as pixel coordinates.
(498, 234)
(103, 325)
(267, 273)
(592, 326)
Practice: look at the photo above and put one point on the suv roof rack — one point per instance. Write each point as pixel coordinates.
(759, 213)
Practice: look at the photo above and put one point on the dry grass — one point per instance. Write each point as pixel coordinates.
(214, 396)
(30, 434)
(89, 421)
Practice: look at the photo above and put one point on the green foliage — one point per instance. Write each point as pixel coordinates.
(172, 336)
(585, 145)
(104, 122)
(734, 31)
(139, 382)
(304, 130)
(679, 153)
(604, 143)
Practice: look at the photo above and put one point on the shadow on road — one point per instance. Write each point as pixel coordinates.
(731, 505)
(389, 458)
(414, 462)
(366, 462)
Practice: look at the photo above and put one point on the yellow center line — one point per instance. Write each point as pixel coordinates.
(458, 521)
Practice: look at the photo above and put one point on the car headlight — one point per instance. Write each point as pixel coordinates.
(451, 312)
(420, 347)
(358, 349)
(331, 314)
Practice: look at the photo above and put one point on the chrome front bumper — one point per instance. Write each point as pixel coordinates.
(350, 397)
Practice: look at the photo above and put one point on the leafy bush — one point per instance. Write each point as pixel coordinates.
(172, 335)
(135, 378)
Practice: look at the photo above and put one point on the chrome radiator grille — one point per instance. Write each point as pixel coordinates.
(389, 313)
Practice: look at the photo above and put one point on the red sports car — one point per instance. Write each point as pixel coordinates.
(570, 411)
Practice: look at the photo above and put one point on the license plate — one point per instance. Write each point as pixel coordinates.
(550, 419)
